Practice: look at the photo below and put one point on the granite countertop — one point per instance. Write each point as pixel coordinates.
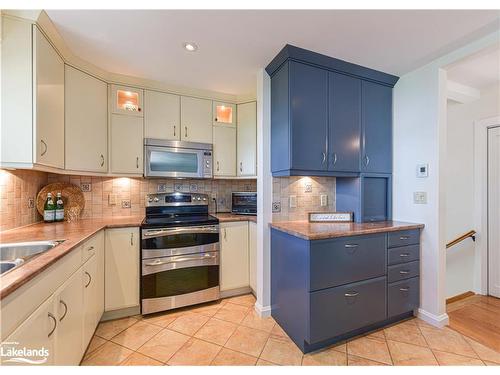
(317, 231)
(227, 216)
(73, 235)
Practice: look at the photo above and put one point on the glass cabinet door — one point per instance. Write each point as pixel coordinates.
(126, 100)
(224, 113)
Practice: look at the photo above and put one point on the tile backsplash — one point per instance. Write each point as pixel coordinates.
(307, 192)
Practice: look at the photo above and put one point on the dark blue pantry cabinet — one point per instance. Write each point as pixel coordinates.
(327, 290)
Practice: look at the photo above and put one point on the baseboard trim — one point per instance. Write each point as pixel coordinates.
(235, 292)
(121, 313)
(436, 320)
(459, 297)
(263, 311)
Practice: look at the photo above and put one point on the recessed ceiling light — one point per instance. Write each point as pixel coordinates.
(190, 46)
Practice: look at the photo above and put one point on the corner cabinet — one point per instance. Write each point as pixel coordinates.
(246, 140)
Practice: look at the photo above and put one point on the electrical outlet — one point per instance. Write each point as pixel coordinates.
(112, 199)
(276, 206)
(126, 203)
(248, 187)
(86, 187)
(420, 197)
(161, 188)
(324, 200)
(31, 202)
(177, 187)
(308, 188)
(213, 195)
(193, 187)
(221, 202)
(293, 201)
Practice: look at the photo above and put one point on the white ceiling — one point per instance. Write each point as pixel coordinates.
(234, 44)
(479, 71)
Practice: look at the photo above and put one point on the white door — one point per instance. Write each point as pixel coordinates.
(49, 103)
(68, 301)
(126, 144)
(247, 139)
(162, 115)
(224, 151)
(234, 255)
(35, 333)
(494, 212)
(252, 254)
(121, 268)
(196, 120)
(86, 122)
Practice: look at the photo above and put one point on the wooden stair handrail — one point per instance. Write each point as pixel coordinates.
(471, 234)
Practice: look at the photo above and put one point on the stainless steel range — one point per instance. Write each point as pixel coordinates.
(179, 252)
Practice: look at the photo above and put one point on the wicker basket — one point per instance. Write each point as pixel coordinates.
(72, 196)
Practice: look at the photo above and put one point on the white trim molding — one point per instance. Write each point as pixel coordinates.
(481, 201)
(262, 311)
(436, 320)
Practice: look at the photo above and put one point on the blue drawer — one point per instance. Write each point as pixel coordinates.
(403, 271)
(403, 296)
(339, 310)
(403, 254)
(347, 259)
(404, 237)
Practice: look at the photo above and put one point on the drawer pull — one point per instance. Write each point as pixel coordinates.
(404, 289)
(404, 238)
(55, 324)
(404, 255)
(351, 246)
(352, 294)
(90, 248)
(404, 272)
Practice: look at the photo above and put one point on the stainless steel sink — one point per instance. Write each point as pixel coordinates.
(13, 255)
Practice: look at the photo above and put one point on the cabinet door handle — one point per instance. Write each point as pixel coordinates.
(404, 255)
(404, 272)
(351, 294)
(185, 131)
(102, 160)
(90, 279)
(241, 166)
(131, 239)
(174, 130)
(65, 310)
(90, 248)
(216, 119)
(45, 147)
(404, 238)
(324, 157)
(367, 160)
(404, 289)
(217, 166)
(137, 162)
(225, 234)
(55, 324)
(334, 158)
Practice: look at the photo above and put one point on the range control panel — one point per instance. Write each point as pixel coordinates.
(176, 199)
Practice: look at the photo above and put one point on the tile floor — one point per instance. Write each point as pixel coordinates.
(230, 333)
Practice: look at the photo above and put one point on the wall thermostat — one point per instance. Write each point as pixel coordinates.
(422, 170)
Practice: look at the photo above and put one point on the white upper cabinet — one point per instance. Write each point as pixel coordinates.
(247, 139)
(126, 100)
(126, 144)
(224, 113)
(196, 120)
(86, 120)
(162, 115)
(224, 163)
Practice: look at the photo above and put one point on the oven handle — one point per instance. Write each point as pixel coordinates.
(166, 232)
(179, 260)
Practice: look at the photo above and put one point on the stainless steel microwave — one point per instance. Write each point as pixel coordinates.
(179, 159)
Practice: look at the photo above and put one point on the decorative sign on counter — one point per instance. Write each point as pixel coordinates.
(330, 217)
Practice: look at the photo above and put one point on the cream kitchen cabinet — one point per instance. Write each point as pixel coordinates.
(234, 267)
(252, 254)
(86, 122)
(126, 144)
(91, 295)
(196, 120)
(247, 140)
(162, 115)
(224, 113)
(121, 268)
(224, 157)
(126, 100)
(69, 308)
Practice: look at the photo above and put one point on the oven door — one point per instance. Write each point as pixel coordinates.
(177, 241)
(173, 162)
(177, 281)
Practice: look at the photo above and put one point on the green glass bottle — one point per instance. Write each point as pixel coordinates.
(49, 209)
(59, 208)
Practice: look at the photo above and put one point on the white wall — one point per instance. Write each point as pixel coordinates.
(460, 259)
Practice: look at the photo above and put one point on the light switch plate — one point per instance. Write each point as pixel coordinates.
(422, 170)
(276, 206)
(293, 201)
(125, 203)
(420, 197)
(324, 200)
(31, 202)
(86, 187)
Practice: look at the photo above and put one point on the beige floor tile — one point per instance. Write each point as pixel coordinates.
(261, 362)
(365, 347)
(207, 309)
(377, 335)
(449, 359)
(216, 331)
(137, 359)
(485, 353)
(94, 344)
(278, 331)
(188, 323)
(244, 300)
(109, 329)
(407, 332)
(282, 350)
(325, 357)
(162, 319)
(353, 360)
(404, 354)
(447, 340)
(253, 320)
(232, 313)
(488, 363)
(247, 340)
(228, 357)
(195, 353)
(110, 354)
(164, 345)
(135, 336)
(340, 347)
